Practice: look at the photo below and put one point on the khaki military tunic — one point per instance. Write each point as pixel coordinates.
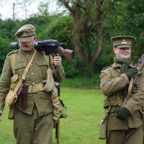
(111, 85)
(38, 100)
(36, 74)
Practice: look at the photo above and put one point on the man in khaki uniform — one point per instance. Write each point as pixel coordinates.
(124, 125)
(33, 124)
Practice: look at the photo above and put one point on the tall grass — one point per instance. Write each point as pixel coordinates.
(85, 110)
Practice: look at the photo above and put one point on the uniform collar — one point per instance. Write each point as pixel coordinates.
(27, 52)
(115, 65)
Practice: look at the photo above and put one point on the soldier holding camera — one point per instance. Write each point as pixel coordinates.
(33, 124)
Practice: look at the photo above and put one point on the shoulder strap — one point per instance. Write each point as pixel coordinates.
(107, 71)
(47, 59)
(50, 60)
(13, 57)
(24, 73)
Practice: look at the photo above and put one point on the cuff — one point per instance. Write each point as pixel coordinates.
(57, 68)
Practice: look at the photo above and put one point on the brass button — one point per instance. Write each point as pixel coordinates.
(32, 73)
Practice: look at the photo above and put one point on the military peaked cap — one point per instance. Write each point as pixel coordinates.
(123, 41)
(26, 33)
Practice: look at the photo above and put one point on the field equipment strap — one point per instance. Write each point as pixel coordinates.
(131, 85)
(47, 59)
(13, 57)
(35, 88)
(25, 71)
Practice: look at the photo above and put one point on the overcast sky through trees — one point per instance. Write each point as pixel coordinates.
(21, 9)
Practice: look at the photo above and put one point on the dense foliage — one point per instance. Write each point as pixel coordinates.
(125, 18)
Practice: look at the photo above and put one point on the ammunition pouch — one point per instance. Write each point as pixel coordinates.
(15, 79)
(113, 100)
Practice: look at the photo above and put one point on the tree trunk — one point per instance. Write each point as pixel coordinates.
(100, 31)
(81, 12)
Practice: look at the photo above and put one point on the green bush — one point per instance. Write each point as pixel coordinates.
(4, 50)
(83, 82)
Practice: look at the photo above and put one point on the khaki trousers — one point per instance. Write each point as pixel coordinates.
(130, 136)
(33, 129)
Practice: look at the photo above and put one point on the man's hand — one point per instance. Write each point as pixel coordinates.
(57, 60)
(123, 113)
(131, 72)
(1, 114)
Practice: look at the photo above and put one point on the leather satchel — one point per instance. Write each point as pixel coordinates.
(11, 98)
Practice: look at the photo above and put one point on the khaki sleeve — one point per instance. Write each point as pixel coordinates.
(5, 81)
(137, 99)
(59, 75)
(110, 86)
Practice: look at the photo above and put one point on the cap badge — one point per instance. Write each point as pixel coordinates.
(124, 42)
(24, 34)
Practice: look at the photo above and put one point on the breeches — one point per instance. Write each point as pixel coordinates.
(130, 136)
(33, 129)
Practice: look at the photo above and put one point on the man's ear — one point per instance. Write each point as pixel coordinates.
(35, 38)
(114, 49)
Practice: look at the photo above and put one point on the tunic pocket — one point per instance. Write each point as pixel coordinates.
(42, 69)
(112, 100)
(19, 68)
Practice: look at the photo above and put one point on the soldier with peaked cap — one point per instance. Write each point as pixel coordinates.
(123, 124)
(33, 124)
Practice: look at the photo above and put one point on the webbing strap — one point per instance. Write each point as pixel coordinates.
(13, 57)
(130, 85)
(35, 88)
(24, 74)
(47, 58)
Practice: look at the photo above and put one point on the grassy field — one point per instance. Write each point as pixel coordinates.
(85, 110)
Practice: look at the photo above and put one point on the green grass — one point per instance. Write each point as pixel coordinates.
(85, 110)
(82, 82)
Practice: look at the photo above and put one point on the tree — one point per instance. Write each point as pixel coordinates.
(88, 23)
